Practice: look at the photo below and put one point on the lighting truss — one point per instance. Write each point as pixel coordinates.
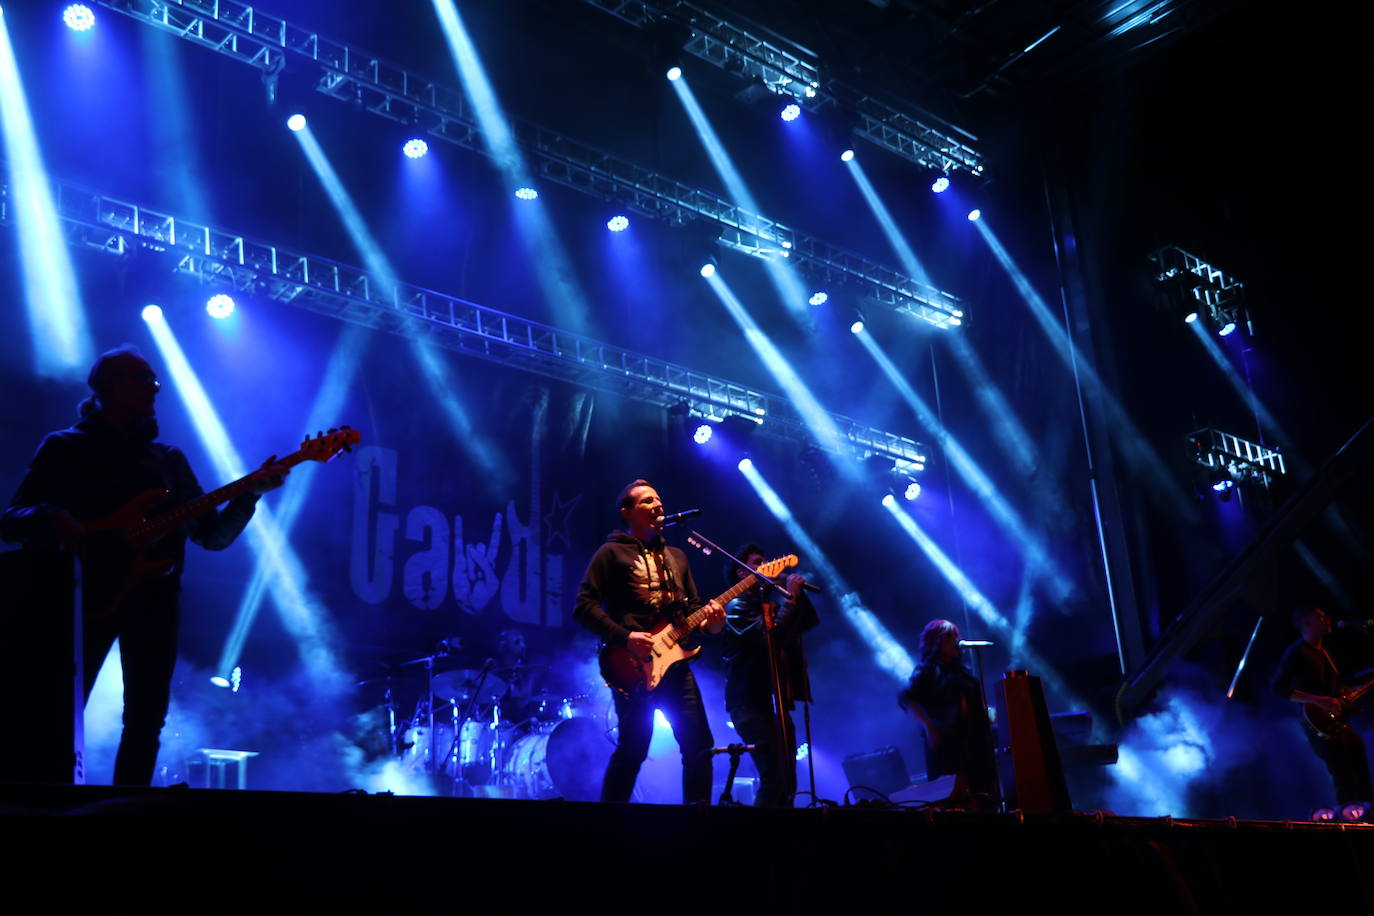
(1245, 461)
(797, 74)
(1221, 295)
(225, 259)
(250, 36)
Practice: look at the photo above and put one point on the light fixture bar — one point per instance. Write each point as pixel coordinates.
(250, 36)
(227, 259)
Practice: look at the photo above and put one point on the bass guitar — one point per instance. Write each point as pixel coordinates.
(1327, 725)
(116, 557)
(632, 676)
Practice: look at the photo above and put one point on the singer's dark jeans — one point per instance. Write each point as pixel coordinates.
(678, 697)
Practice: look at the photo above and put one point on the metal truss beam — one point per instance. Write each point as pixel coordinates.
(250, 36)
(1208, 285)
(733, 48)
(222, 258)
(1244, 460)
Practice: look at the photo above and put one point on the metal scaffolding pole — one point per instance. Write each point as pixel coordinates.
(250, 36)
(223, 258)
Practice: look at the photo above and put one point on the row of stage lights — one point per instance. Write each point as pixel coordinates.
(81, 18)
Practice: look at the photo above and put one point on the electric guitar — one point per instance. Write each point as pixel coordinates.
(1324, 723)
(629, 675)
(116, 558)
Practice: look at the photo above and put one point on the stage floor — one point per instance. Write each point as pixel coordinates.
(513, 855)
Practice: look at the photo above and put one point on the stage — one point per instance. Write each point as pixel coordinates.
(429, 852)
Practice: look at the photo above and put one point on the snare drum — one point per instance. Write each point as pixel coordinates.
(566, 759)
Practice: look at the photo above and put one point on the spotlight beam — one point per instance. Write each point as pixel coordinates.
(62, 347)
(1021, 650)
(546, 252)
(1037, 558)
(441, 382)
(895, 238)
(820, 423)
(302, 615)
(887, 651)
(327, 407)
(780, 273)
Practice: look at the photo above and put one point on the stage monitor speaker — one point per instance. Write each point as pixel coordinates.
(882, 770)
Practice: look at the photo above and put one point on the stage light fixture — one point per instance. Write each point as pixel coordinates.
(940, 185)
(889, 500)
(974, 215)
(674, 73)
(1353, 812)
(152, 312)
(745, 464)
(1323, 815)
(526, 193)
(1227, 329)
(415, 148)
(78, 17)
(220, 680)
(296, 122)
(912, 491)
(857, 327)
(791, 112)
(1190, 318)
(618, 223)
(847, 155)
(220, 305)
(703, 434)
(818, 298)
(708, 269)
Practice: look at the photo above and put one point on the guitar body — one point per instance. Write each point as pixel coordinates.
(632, 677)
(121, 550)
(1328, 726)
(115, 560)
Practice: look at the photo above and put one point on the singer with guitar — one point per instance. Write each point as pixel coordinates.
(1307, 675)
(89, 472)
(636, 584)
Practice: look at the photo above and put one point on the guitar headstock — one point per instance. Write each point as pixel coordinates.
(773, 567)
(325, 446)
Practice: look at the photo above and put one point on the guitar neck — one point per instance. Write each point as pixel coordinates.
(697, 617)
(170, 521)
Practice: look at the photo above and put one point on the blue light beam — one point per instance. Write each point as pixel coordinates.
(780, 273)
(1021, 650)
(302, 615)
(812, 413)
(910, 263)
(62, 348)
(1038, 560)
(890, 655)
(427, 354)
(325, 412)
(1136, 448)
(546, 253)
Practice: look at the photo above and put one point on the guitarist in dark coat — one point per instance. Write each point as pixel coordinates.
(749, 684)
(1307, 675)
(634, 582)
(90, 471)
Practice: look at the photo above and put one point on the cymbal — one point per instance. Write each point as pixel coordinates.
(461, 683)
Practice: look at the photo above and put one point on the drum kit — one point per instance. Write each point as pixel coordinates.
(479, 729)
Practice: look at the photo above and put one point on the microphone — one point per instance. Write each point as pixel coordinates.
(732, 749)
(974, 643)
(667, 521)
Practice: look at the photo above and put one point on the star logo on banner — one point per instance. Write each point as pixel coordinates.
(556, 522)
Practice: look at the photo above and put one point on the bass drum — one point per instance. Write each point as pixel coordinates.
(564, 760)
